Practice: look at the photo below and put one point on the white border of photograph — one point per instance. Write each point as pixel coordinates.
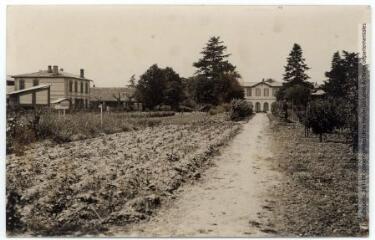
(5, 3)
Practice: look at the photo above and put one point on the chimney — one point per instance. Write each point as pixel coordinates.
(82, 73)
(55, 69)
(49, 69)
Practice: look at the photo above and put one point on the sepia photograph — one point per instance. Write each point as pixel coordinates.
(187, 120)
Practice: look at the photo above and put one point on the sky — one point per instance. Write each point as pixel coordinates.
(114, 42)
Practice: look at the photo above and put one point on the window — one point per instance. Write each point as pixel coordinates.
(257, 92)
(248, 92)
(35, 82)
(70, 86)
(87, 87)
(75, 86)
(266, 92)
(81, 88)
(22, 84)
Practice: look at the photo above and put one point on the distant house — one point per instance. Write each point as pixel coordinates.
(261, 94)
(113, 98)
(76, 88)
(10, 84)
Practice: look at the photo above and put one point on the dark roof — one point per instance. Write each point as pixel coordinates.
(46, 74)
(269, 82)
(110, 94)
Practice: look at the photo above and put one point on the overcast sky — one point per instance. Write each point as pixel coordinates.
(113, 42)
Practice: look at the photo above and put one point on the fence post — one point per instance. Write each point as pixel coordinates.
(101, 115)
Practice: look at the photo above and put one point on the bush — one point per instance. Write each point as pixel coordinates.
(18, 134)
(239, 109)
(322, 117)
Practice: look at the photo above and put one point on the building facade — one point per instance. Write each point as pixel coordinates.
(261, 95)
(62, 85)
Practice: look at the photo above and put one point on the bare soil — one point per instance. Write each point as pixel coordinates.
(169, 180)
(85, 187)
(231, 200)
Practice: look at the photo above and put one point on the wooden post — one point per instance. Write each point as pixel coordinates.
(48, 96)
(101, 115)
(33, 99)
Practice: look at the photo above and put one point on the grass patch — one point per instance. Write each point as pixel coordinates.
(319, 196)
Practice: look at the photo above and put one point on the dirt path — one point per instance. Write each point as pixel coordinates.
(230, 199)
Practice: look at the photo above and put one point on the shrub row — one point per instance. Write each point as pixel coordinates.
(239, 109)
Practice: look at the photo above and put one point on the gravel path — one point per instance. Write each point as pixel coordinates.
(231, 198)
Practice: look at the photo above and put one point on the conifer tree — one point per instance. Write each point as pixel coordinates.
(336, 77)
(213, 63)
(296, 88)
(295, 70)
(216, 79)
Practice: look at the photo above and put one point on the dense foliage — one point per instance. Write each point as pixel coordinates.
(295, 88)
(239, 109)
(322, 117)
(159, 86)
(216, 79)
(343, 84)
(335, 108)
(214, 83)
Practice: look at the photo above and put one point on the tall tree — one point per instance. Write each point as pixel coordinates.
(351, 63)
(296, 88)
(150, 86)
(215, 74)
(214, 62)
(295, 70)
(231, 87)
(342, 85)
(334, 86)
(160, 86)
(173, 88)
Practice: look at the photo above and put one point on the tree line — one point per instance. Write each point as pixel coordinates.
(215, 82)
(336, 107)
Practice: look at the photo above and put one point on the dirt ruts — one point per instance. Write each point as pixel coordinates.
(231, 200)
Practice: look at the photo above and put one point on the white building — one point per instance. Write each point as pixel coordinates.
(261, 94)
(76, 88)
